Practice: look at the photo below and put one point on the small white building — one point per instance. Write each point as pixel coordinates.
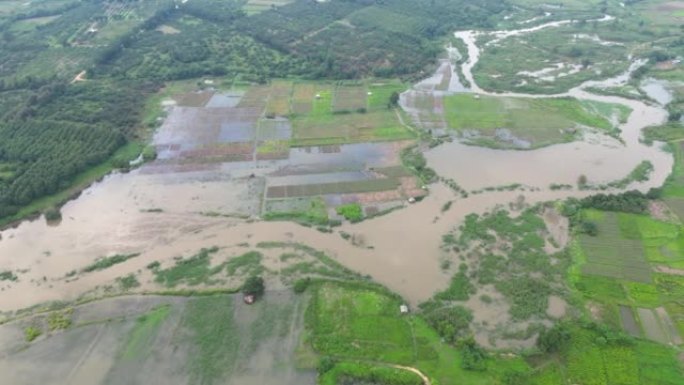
(403, 309)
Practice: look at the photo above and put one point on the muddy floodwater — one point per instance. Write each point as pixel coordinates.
(163, 211)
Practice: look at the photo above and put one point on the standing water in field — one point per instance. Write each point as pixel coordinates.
(600, 158)
(165, 212)
(657, 90)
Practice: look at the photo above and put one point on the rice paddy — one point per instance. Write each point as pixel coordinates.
(613, 255)
(618, 270)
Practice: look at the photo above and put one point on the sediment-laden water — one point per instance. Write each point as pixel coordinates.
(400, 250)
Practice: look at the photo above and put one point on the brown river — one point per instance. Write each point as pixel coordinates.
(401, 251)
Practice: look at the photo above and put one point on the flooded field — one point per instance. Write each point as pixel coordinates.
(122, 340)
(210, 186)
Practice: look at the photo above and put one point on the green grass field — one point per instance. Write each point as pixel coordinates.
(359, 325)
(362, 323)
(303, 209)
(144, 333)
(617, 251)
(538, 121)
(381, 92)
(323, 128)
(327, 114)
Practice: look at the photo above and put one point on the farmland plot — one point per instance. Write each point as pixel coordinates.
(611, 255)
(207, 340)
(349, 98)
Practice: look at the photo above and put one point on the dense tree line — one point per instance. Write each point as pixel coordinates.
(372, 45)
(629, 202)
(61, 130)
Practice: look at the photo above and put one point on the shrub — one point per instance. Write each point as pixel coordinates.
(325, 364)
(449, 322)
(106, 262)
(474, 356)
(460, 288)
(60, 319)
(128, 282)
(8, 276)
(351, 212)
(554, 339)
(629, 202)
(301, 285)
(393, 100)
(589, 228)
(53, 214)
(149, 153)
(121, 163)
(254, 285)
(31, 333)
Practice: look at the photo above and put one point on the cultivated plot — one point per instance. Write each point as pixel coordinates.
(207, 340)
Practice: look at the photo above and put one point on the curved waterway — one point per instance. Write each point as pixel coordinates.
(401, 250)
(600, 158)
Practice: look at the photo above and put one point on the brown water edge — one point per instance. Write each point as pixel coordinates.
(402, 249)
(110, 216)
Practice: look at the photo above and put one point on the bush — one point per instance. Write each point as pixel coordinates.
(589, 228)
(8, 276)
(254, 285)
(554, 339)
(474, 357)
(301, 285)
(351, 212)
(121, 163)
(629, 202)
(325, 364)
(128, 282)
(31, 333)
(449, 322)
(460, 288)
(53, 214)
(60, 319)
(149, 153)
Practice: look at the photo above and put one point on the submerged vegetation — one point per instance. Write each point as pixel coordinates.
(585, 291)
(522, 122)
(106, 262)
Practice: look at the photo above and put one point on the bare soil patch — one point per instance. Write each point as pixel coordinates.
(168, 30)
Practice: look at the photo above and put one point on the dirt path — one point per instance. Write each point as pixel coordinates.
(80, 77)
(86, 353)
(420, 374)
(423, 377)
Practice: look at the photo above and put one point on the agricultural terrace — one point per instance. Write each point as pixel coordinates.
(528, 122)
